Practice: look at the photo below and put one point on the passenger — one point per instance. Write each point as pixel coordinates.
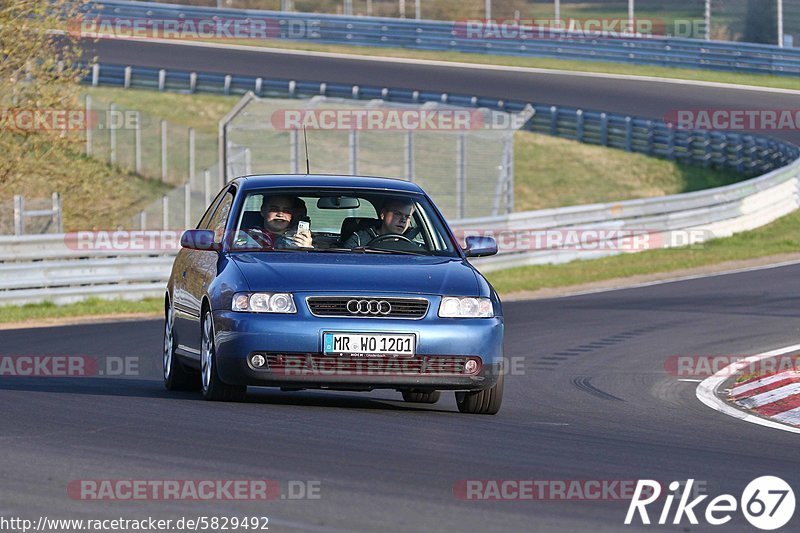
(395, 219)
(281, 214)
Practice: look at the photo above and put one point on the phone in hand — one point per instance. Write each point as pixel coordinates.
(304, 225)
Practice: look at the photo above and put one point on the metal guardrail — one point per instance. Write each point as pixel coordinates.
(454, 37)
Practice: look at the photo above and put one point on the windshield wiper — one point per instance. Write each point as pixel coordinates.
(384, 250)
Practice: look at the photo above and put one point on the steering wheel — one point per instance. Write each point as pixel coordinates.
(387, 236)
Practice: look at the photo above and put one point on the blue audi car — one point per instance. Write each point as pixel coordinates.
(332, 282)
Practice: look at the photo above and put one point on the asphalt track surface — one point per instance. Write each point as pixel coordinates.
(643, 98)
(589, 400)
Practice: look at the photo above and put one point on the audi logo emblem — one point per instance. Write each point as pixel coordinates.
(369, 307)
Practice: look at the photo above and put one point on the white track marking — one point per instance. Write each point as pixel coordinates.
(789, 417)
(741, 389)
(770, 396)
(461, 65)
(707, 390)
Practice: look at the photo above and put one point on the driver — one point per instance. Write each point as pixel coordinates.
(395, 220)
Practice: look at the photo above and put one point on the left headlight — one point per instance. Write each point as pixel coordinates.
(452, 307)
(264, 302)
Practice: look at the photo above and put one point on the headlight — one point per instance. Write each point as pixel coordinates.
(264, 302)
(466, 307)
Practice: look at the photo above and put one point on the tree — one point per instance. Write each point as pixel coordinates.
(39, 79)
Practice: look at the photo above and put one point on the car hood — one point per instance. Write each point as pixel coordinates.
(330, 272)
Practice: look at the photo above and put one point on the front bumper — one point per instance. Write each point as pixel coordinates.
(298, 337)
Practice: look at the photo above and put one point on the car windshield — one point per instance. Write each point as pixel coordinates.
(359, 221)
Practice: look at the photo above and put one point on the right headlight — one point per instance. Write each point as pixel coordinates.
(465, 307)
(264, 302)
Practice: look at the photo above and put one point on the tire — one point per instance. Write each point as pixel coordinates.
(482, 402)
(176, 377)
(421, 397)
(212, 387)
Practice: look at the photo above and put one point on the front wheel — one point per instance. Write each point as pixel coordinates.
(214, 388)
(482, 402)
(176, 377)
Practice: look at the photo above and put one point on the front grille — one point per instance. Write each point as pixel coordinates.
(367, 307)
(315, 364)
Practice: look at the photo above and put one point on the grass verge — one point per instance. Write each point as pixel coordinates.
(90, 307)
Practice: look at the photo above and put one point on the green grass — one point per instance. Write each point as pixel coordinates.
(90, 307)
(761, 80)
(779, 237)
(552, 172)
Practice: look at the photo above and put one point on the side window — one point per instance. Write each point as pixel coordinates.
(217, 222)
(204, 222)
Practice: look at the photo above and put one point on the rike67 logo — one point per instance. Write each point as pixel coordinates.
(767, 503)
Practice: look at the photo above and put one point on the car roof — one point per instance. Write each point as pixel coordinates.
(335, 181)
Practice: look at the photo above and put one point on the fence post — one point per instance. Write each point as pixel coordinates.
(579, 125)
(164, 150)
(409, 155)
(207, 186)
(353, 145)
(143, 220)
(112, 134)
(294, 135)
(628, 134)
(162, 79)
(187, 205)
(18, 215)
(137, 144)
(58, 220)
(461, 174)
(603, 129)
(165, 212)
(248, 161)
(126, 84)
(89, 125)
(227, 87)
(670, 141)
(650, 135)
(554, 121)
(192, 159)
(95, 74)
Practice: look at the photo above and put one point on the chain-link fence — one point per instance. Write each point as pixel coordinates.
(461, 157)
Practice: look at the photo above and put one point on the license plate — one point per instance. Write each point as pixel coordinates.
(369, 344)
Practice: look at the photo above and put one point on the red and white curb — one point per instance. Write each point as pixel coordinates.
(776, 396)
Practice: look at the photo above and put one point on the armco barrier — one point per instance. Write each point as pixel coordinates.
(453, 36)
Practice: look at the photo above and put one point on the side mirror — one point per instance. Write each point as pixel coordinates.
(199, 239)
(480, 246)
